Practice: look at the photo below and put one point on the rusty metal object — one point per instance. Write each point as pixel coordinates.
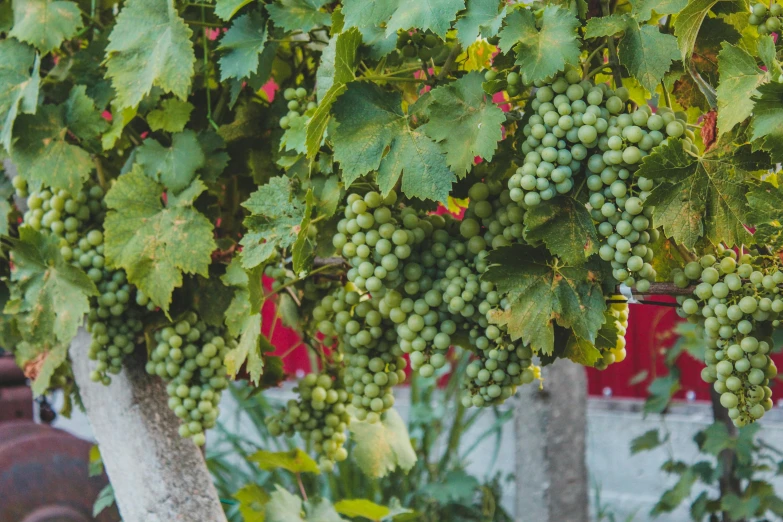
(44, 476)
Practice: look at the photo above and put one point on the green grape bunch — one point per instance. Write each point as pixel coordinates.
(64, 214)
(766, 18)
(319, 415)
(616, 354)
(512, 79)
(738, 303)
(420, 45)
(298, 106)
(189, 356)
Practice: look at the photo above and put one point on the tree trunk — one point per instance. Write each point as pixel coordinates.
(551, 426)
(157, 475)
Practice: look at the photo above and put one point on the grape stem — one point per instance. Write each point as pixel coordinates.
(301, 486)
(450, 59)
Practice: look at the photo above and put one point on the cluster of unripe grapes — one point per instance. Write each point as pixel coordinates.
(766, 18)
(419, 45)
(63, 214)
(189, 355)
(738, 303)
(113, 339)
(298, 106)
(513, 81)
(616, 354)
(319, 416)
(20, 187)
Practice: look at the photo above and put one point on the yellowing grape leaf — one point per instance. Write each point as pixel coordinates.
(295, 461)
(383, 446)
(19, 82)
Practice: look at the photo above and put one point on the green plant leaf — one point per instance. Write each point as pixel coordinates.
(698, 196)
(643, 9)
(767, 123)
(646, 441)
(295, 461)
(49, 295)
(303, 15)
(149, 46)
(765, 202)
(252, 502)
(383, 446)
(435, 15)
(105, 500)
(172, 116)
(45, 23)
(688, 23)
(661, 391)
(82, 117)
(302, 251)
(321, 510)
(541, 53)
(739, 79)
(226, 9)
(19, 83)
(374, 134)
(598, 27)
(274, 223)
(156, 244)
(581, 351)
(483, 18)
(42, 153)
(242, 45)
(283, 507)
(541, 292)
(675, 495)
(565, 226)
(465, 122)
(175, 166)
(361, 508)
(647, 53)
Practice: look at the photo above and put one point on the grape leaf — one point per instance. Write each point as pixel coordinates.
(581, 351)
(321, 510)
(370, 123)
(302, 15)
(226, 9)
(598, 27)
(687, 25)
(302, 251)
(541, 54)
(45, 23)
(44, 156)
(295, 461)
(54, 357)
(766, 202)
(81, 115)
(243, 44)
(698, 196)
(252, 499)
(216, 158)
(739, 79)
(383, 446)
(149, 46)
(647, 54)
(767, 123)
(565, 226)
(49, 295)
(646, 441)
(156, 244)
(338, 63)
(175, 166)
(643, 9)
(18, 84)
(119, 119)
(607, 336)
(362, 508)
(541, 292)
(465, 122)
(435, 15)
(483, 18)
(172, 116)
(363, 14)
(283, 507)
(274, 222)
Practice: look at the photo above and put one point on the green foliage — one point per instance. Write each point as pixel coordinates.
(382, 447)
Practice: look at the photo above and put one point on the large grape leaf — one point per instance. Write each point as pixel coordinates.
(83, 118)
(226, 9)
(383, 446)
(643, 9)
(295, 461)
(48, 294)
(274, 221)
(302, 15)
(174, 166)
(767, 123)
(541, 53)
(172, 116)
(598, 27)
(435, 15)
(243, 44)
(581, 351)
(45, 23)
(283, 507)
(153, 242)
(149, 46)
(19, 82)
(700, 196)
(647, 53)
(766, 214)
(465, 121)
(542, 291)
(252, 498)
(373, 133)
(43, 153)
(565, 227)
(367, 17)
(739, 79)
(688, 23)
(483, 18)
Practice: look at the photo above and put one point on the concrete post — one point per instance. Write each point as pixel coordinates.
(157, 475)
(551, 428)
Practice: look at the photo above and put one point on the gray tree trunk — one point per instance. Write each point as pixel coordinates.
(551, 426)
(157, 475)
